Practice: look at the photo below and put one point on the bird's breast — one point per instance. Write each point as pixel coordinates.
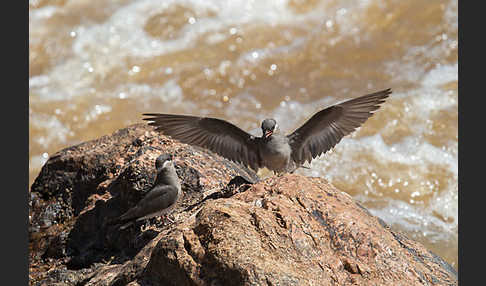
(275, 152)
(277, 146)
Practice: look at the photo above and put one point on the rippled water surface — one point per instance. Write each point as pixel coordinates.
(95, 66)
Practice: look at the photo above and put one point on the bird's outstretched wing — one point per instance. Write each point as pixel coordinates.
(328, 126)
(214, 134)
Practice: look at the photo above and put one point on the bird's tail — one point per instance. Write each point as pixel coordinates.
(124, 223)
(122, 227)
(119, 220)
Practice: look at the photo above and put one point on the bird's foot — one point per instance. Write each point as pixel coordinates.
(161, 220)
(145, 225)
(169, 219)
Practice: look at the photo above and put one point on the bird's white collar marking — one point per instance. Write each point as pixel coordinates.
(166, 164)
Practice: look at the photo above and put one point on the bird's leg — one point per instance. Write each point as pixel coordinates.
(164, 218)
(159, 220)
(280, 174)
(168, 218)
(144, 225)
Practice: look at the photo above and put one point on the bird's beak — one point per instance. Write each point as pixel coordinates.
(268, 133)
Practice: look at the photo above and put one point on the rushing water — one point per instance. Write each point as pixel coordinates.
(95, 66)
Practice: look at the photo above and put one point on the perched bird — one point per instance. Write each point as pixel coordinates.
(277, 152)
(160, 199)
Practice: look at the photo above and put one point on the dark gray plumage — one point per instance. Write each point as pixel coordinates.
(161, 198)
(277, 152)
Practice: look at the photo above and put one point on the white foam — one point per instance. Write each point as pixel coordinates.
(41, 14)
(451, 14)
(416, 219)
(445, 204)
(411, 151)
(257, 55)
(99, 48)
(64, 81)
(440, 75)
(170, 94)
(55, 130)
(38, 81)
(36, 162)
(95, 112)
(410, 67)
(123, 33)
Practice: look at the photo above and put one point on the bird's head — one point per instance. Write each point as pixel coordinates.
(269, 126)
(163, 161)
(166, 171)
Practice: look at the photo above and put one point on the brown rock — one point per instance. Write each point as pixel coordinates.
(81, 187)
(288, 230)
(291, 230)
